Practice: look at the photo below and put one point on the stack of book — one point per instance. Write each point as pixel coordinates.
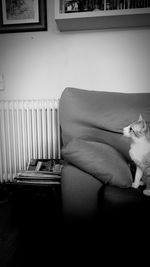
(38, 177)
(90, 5)
(44, 171)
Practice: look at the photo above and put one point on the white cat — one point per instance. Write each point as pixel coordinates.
(139, 151)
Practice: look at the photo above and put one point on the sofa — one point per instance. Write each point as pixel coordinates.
(98, 173)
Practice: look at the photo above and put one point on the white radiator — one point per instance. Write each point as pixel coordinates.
(28, 129)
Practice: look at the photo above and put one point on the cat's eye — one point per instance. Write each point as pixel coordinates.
(130, 129)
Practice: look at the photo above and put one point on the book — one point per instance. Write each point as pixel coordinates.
(36, 181)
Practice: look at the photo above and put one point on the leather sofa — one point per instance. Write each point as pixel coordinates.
(98, 172)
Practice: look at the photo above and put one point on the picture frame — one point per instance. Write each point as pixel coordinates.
(23, 16)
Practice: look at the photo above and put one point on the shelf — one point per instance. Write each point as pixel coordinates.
(101, 19)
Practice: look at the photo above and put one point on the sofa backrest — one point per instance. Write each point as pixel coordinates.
(100, 116)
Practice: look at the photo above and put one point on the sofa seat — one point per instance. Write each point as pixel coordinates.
(115, 197)
(123, 211)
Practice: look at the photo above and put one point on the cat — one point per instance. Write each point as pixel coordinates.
(139, 151)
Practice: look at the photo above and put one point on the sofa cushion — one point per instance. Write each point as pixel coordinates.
(100, 160)
(100, 116)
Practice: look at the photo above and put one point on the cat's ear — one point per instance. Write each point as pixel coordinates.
(144, 126)
(140, 118)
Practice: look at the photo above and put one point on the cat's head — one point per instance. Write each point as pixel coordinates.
(136, 129)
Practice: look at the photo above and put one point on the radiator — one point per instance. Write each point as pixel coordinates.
(28, 130)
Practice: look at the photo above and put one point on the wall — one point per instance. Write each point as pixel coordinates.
(42, 64)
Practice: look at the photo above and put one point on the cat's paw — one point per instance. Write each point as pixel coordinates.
(135, 185)
(146, 192)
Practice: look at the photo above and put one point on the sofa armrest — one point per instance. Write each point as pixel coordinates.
(79, 195)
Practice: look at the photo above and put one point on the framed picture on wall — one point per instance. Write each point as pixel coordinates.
(23, 15)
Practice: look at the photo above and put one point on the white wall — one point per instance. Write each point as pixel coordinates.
(42, 64)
